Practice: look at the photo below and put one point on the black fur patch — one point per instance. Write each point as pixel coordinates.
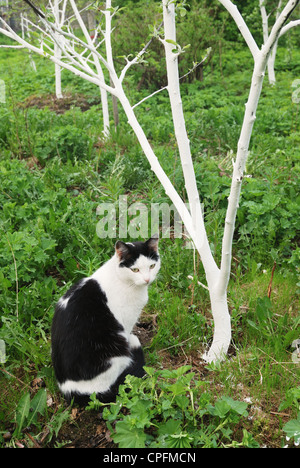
(85, 336)
(130, 252)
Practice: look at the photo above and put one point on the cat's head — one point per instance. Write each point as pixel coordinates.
(138, 262)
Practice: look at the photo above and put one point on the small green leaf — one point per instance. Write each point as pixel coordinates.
(170, 41)
(37, 406)
(182, 370)
(150, 371)
(225, 404)
(248, 440)
(22, 412)
(292, 429)
(182, 440)
(172, 426)
(182, 401)
(128, 437)
(237, 406)
(178, 388)
(220, 409)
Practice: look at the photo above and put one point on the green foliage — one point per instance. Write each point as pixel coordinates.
(292, 430)
(29, 414)
(55, 169)
(172, 409)
(292, 427)
(197, 30)
(27, 411)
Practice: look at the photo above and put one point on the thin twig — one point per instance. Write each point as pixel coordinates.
(180, 78)
(148, 97)
(35, 443)
(178, 344)
(271, 281)
(17, 281)
(17, 378)
(276, 362)
(35, 9)
(3, 46)
(139, 55)
(200, 284)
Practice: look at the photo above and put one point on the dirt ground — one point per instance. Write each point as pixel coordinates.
(60, 106)
(87, 428)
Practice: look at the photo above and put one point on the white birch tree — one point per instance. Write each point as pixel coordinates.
(26, 31)
(217, 276)
(58, 43)
(58, 9)
(265, 27)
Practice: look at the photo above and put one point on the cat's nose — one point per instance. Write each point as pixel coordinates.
(147, 280)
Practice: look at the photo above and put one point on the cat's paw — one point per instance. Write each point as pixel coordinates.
(134, 342)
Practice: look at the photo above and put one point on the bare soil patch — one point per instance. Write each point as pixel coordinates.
(60, 106)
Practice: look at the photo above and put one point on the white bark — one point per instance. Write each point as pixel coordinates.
(265, 20)
(58, 89)
(103, 91)
(244, 30)
(25, 30)
(75, 65)
(183, 140)
(272, 56)
(60, 45)
(59, 17)
(218, 294)
(219, 308)
(260, 62)
(288, 26)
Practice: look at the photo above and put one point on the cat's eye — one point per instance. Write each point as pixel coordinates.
(152, 266)
(135, 270)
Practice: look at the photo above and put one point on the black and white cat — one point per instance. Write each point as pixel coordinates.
(93, 347)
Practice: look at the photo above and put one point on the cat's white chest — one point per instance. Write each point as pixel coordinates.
(124, 301)
(127, 305)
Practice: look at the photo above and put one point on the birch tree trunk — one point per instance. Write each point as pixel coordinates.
(260, 64)
(24, 26)
(219, 308)
(265, 21)
(103, 92)
(265, 26)
(59, 21)
(58, 89)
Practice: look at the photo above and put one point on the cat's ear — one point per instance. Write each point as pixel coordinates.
(153, 242)
(121, 249)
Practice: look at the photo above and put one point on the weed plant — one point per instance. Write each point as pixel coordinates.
(172, 409)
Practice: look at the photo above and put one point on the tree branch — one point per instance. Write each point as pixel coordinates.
(288, 26)
(279, 24)
(181, 78)
(35, 9)
(244, 30)
(11, 34)
(183, 142)
(260, 62)
(139, 55)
